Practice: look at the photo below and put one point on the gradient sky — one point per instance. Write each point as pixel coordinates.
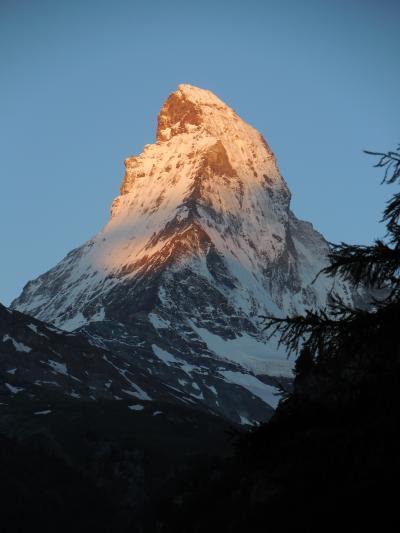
(81, 83)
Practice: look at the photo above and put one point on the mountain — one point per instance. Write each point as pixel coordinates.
(200, 243)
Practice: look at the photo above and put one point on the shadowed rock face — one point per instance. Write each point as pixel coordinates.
(176, 114)
(216, 163)
(200, 243)
(38, 361)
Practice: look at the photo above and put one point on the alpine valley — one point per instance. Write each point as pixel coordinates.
(164, 303)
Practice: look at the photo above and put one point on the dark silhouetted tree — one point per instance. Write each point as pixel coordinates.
(339, 329)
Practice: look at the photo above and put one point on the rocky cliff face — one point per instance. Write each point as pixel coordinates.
(200, 243)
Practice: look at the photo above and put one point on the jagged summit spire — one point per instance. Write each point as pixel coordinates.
(190, 108)
(199, 96)
(200, 141)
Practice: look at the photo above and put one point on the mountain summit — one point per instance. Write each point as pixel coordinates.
(200, 243)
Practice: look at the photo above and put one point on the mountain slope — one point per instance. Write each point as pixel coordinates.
(200, 243)
(37, 360)
(78, 427)
(41, 362)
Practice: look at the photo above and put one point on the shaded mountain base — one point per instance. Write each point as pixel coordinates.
(41, 492)
(328, 460)
(93, 466)
(102, 467)
(308, 479)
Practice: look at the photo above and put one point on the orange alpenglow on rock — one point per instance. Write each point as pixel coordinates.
(232, 144)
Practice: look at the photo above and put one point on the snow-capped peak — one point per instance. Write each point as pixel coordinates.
(190, 107)
(207, 127)
(208, 170)
(201, 242)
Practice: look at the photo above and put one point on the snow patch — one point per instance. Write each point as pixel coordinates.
(34, 328)
(245, 421)
(19, 346)
(266, 393)
(41, 382)
(60, 368)
(140, 393)
(75, 322)
(253, 354)
(136, 407)
(165, 356)
(12, 389)
(159, 323)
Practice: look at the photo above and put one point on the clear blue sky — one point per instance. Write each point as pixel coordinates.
(81, 83)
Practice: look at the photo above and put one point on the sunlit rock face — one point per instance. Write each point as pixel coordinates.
(200, 243)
